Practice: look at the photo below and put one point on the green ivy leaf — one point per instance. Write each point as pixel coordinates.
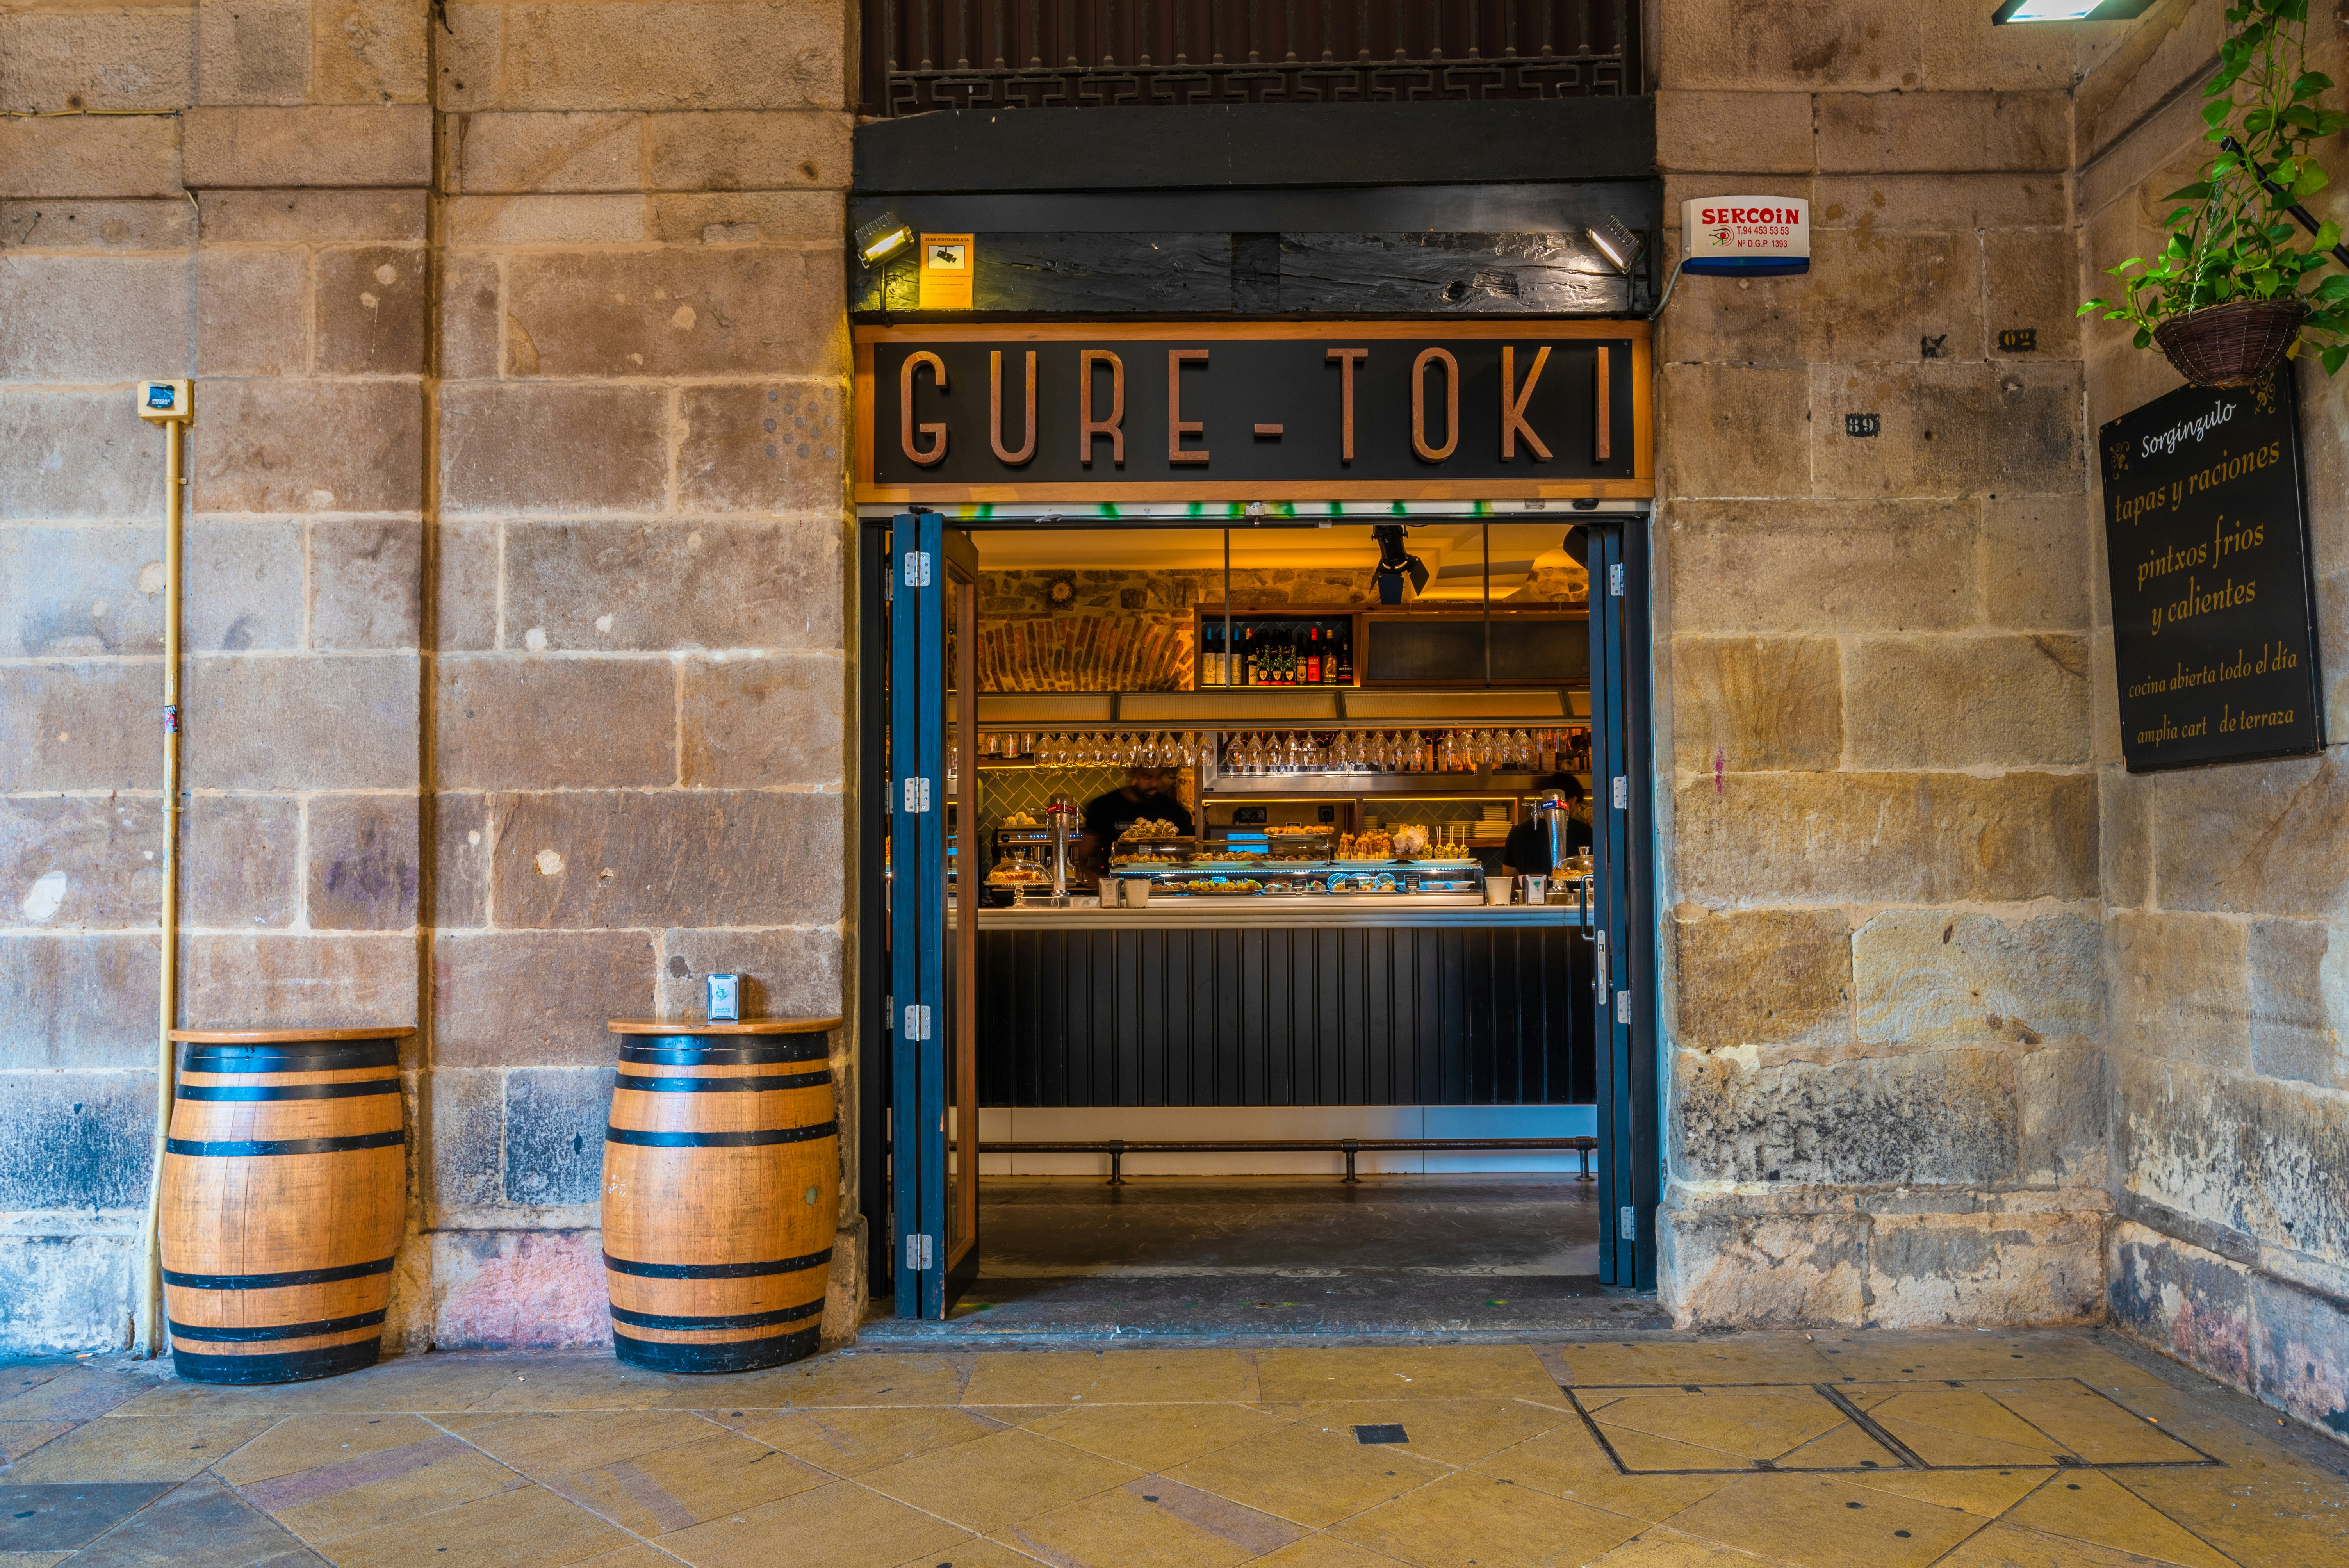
(2334, 356)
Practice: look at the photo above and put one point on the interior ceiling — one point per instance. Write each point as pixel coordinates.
(1452, 552)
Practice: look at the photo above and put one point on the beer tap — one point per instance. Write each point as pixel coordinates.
(1060, 815)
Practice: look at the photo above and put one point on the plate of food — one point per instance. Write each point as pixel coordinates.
(1151, 827)
(1240, 887)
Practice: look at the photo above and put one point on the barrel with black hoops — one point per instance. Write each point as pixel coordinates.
(721, 1191)
(284, 1195)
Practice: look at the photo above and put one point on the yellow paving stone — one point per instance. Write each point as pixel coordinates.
(1665, 1548)
(1757, 1423)
(1000, 1479)
(1321, 1552)
(560, 1442)
(1111, 1377)
(852, 1440)
(347, 1497)
(403, 1383)
(1299, 1376)
(19, 1439)
(1825, 1522)
(1307, 1476)
(2004, 1546)
(1747, 1358)
(2087, 1506)
(529, 1527)
(970, 1551)
(1641, 1450)
(1844, 1447)
(1944, 1426)
(840, 1378)
(1154, 1437)
(2257, 1512)
(1454, 1431)
(2096, 1429)
(305, 1442)
(1874, 1356)
(1469, 1518)
(118, 1449)
(1151, 1523)
(605, 1386)
(1567, 1463)
(837, 1526)
(32, 1559)
(1988, 1493)
(636, 1555)
(674, 1487)
(76, 1393)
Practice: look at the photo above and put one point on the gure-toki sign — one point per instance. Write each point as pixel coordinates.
(1299, 411)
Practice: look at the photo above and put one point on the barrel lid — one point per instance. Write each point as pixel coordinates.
(704, 1027)
(284, 1036)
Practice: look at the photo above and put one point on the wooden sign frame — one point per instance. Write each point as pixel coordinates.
(1641, 486)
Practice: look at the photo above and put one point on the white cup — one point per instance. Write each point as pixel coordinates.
(1497, 889)
(1137, 893)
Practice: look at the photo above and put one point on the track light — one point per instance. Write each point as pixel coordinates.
(882, 238)
(1395, 564)
(2069, 11)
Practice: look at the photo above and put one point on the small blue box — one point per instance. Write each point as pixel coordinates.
(725, 998)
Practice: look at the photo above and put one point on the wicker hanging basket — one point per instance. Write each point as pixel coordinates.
(2237, 345)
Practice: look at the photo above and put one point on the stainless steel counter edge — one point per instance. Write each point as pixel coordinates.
(1267, 912)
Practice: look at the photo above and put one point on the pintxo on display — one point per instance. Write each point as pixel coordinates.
(2214, 610)
(1302, 411)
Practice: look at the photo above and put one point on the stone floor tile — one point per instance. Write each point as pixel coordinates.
(133, 1447)
(404, 1384)
(1987, 1493)
(1308, 1476)
(58, 1516)
(1110, 1378)
(558, 1443)
(971, 1551)
(599, 1385)
(305, 1442)
(1323, 1552)
(1646, 1452)
(1844, 1447)
(2094, 1427)
(2087, 1506)
(1567, 1463)
(1454, 1432)
(840, 1525)
(2004, 1546)
(366, 1491)
(1824, 1522)
(528, 1527)
(840, 1378)
(1303, 1377)
(75, 1393)
(678, 1487)
(1154, 1437)
(32, 1559)
(2254, 1510)
(203, 1524)
(19, 1439)
(1468, 1518)
(1755, 1423)
(1945, 1426)
(1746, 1358)
(1000, 1479)
(635, 1555)
(853, 1441)
(1659, 1547)
(1152, 1522)
(1873, 1355)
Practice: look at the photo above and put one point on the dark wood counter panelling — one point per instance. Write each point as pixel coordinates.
(1380, 1016)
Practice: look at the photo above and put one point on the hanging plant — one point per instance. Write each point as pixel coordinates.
(2235, 291)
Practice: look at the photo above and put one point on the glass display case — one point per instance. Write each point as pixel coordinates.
(1428, 881)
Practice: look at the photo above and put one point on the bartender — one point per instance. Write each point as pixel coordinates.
(1146, 798)
(1526, 853)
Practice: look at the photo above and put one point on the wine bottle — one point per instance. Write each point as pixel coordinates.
(1346, 658)
(1254, 656)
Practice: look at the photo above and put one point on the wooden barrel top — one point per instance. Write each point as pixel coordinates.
(703, 1026)
(280, 1036)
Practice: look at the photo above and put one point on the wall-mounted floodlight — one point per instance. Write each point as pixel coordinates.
(2069, 11)
(882, 238)
(1618, 242)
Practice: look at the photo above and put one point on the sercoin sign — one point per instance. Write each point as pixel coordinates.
(1746, 236)
(1301, 411)
(2214, 612)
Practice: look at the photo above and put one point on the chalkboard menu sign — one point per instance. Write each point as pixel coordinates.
(2214, 613)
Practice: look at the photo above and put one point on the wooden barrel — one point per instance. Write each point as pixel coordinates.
(721, 1192)
(284, 1193)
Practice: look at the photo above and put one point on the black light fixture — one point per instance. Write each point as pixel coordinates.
(1396, 563)
(1620, 244)
(2069, 11)
(882, 238)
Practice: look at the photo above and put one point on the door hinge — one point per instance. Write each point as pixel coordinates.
(1622, 790)
(917, 1250)
(918, 569)
(1622, 1006)
(917, 794)
(1615, 580)
(1626, 1224)
(917, 1022)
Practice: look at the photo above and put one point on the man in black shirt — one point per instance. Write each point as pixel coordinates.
(1527, 851)
(1146, 798)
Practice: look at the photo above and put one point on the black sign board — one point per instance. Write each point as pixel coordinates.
(2214, 611)
(1287, 411)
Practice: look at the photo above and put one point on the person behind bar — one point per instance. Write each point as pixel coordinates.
(1145, 799)
(1527, 851)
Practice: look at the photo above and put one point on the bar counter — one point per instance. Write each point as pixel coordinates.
(1242, 913)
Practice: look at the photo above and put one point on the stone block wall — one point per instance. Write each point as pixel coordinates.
(1884, 1091)
(2226, 949)
(515, 592)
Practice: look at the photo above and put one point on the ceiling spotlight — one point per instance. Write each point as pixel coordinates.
(2069, 11)
(883, 238)
(1395, 564)
(1617, 243)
